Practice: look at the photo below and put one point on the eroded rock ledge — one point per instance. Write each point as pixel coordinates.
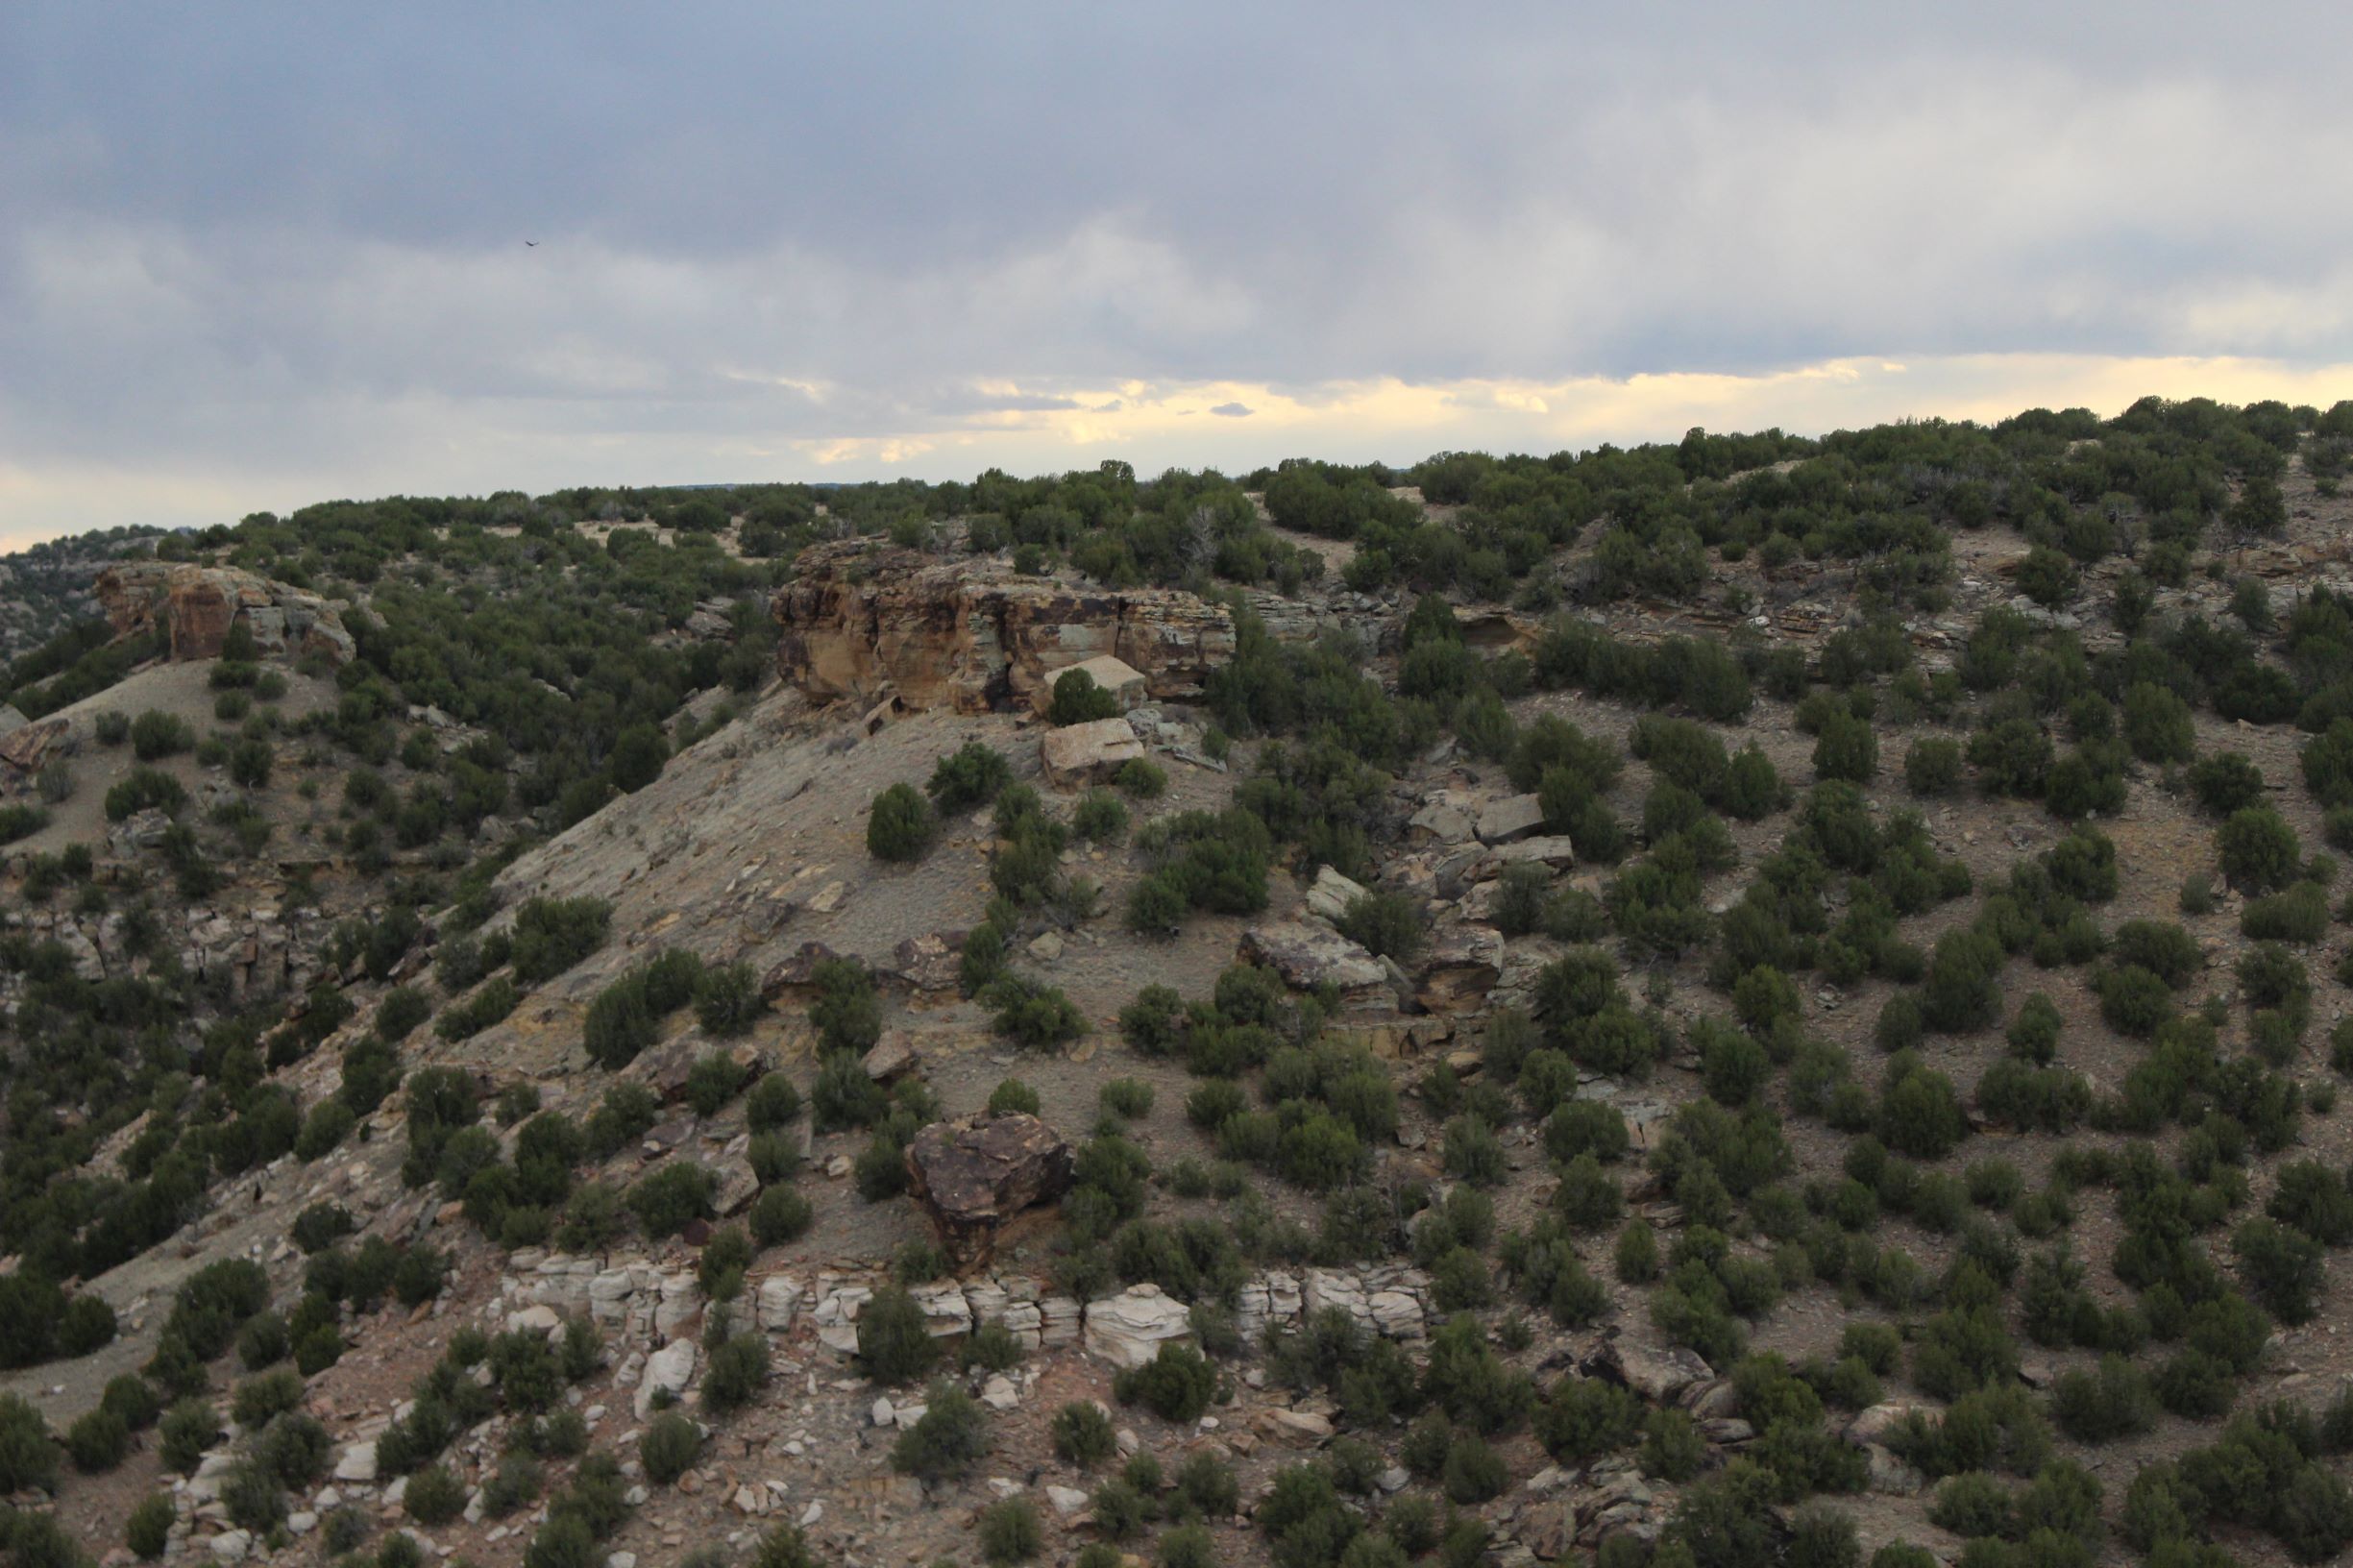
(194, 606)
(968, 634)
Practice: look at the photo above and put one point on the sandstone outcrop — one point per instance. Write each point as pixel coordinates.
(1127, 1330)
(29, 747)
(1308, 957)
(969, 634)
(194, 606)
(971, 1176)
(1077, 755)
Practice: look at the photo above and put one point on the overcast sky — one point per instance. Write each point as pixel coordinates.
(257, 255)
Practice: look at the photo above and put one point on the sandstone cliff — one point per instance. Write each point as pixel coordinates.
(968, 634)
(194, 606)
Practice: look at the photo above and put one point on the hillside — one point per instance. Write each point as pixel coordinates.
(46, 589)
(1759, 1000)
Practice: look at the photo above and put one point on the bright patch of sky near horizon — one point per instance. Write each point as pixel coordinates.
(260, 255)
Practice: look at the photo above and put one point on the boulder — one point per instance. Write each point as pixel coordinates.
(1077, 755)
(738, 1186)
(970, 1176)
(1331, 894)
(1511, 819)
(1659, 1374)
(894, 1056)
(668, 1371)
(932, 962)
(1459, 969)
(1877, 1426)
(797, 967)
(1442, 821)
(1294, 1429)
(1128, 1328)
(11, 720)
(29, 747)
(1553, 850)
(1309, 956)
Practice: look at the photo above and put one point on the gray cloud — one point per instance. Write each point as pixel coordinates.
(284, 243)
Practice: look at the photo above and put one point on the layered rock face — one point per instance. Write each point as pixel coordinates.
(194, 606)
(965, 633)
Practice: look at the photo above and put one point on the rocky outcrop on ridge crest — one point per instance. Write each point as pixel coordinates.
(969, 634)
(194, 606)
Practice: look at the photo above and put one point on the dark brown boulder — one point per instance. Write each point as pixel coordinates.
(797, 967)
(971, 1176)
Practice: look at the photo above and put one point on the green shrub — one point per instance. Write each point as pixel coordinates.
(187, 1429)
(894, 1342)
(2099, 1405)
(1846, 748)
(738, 1370)
(970, 778)
(714, 1080)
(898, 825)
(1082, 1433)
(779, 1214)
(2283, 1268)
(98, 1440)
(550, 935)
(1932, 766)
(156, 735)
(1188, 1545)
(2259, 850)
(148, 1530)
(775, 1102)
(259, 1398)
(1176, 1385)
(947, 1440)
(435, 1496)
(295, 1448)
(1032, 1014)
(1822, 1536)
(1099, 817)
(727, 1001)
(254, 1499)
(1385, 924)
(490, 1003)
(672, 1197)
(1142, 778)
(2157, 724)
(1079, 700)
(1010, 1530)
(670, 1447)
(1127, 1098)
(144, 789)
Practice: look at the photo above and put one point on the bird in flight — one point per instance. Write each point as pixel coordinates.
(531, 243)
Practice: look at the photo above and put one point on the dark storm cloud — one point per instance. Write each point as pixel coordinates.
(285, 243)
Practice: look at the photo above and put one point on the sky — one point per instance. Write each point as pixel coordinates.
(261, 255)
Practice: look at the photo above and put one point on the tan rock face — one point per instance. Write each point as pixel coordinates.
(971, 1176)
(29, 747)
(194, 606)
(968, 635)
(1089, 754)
